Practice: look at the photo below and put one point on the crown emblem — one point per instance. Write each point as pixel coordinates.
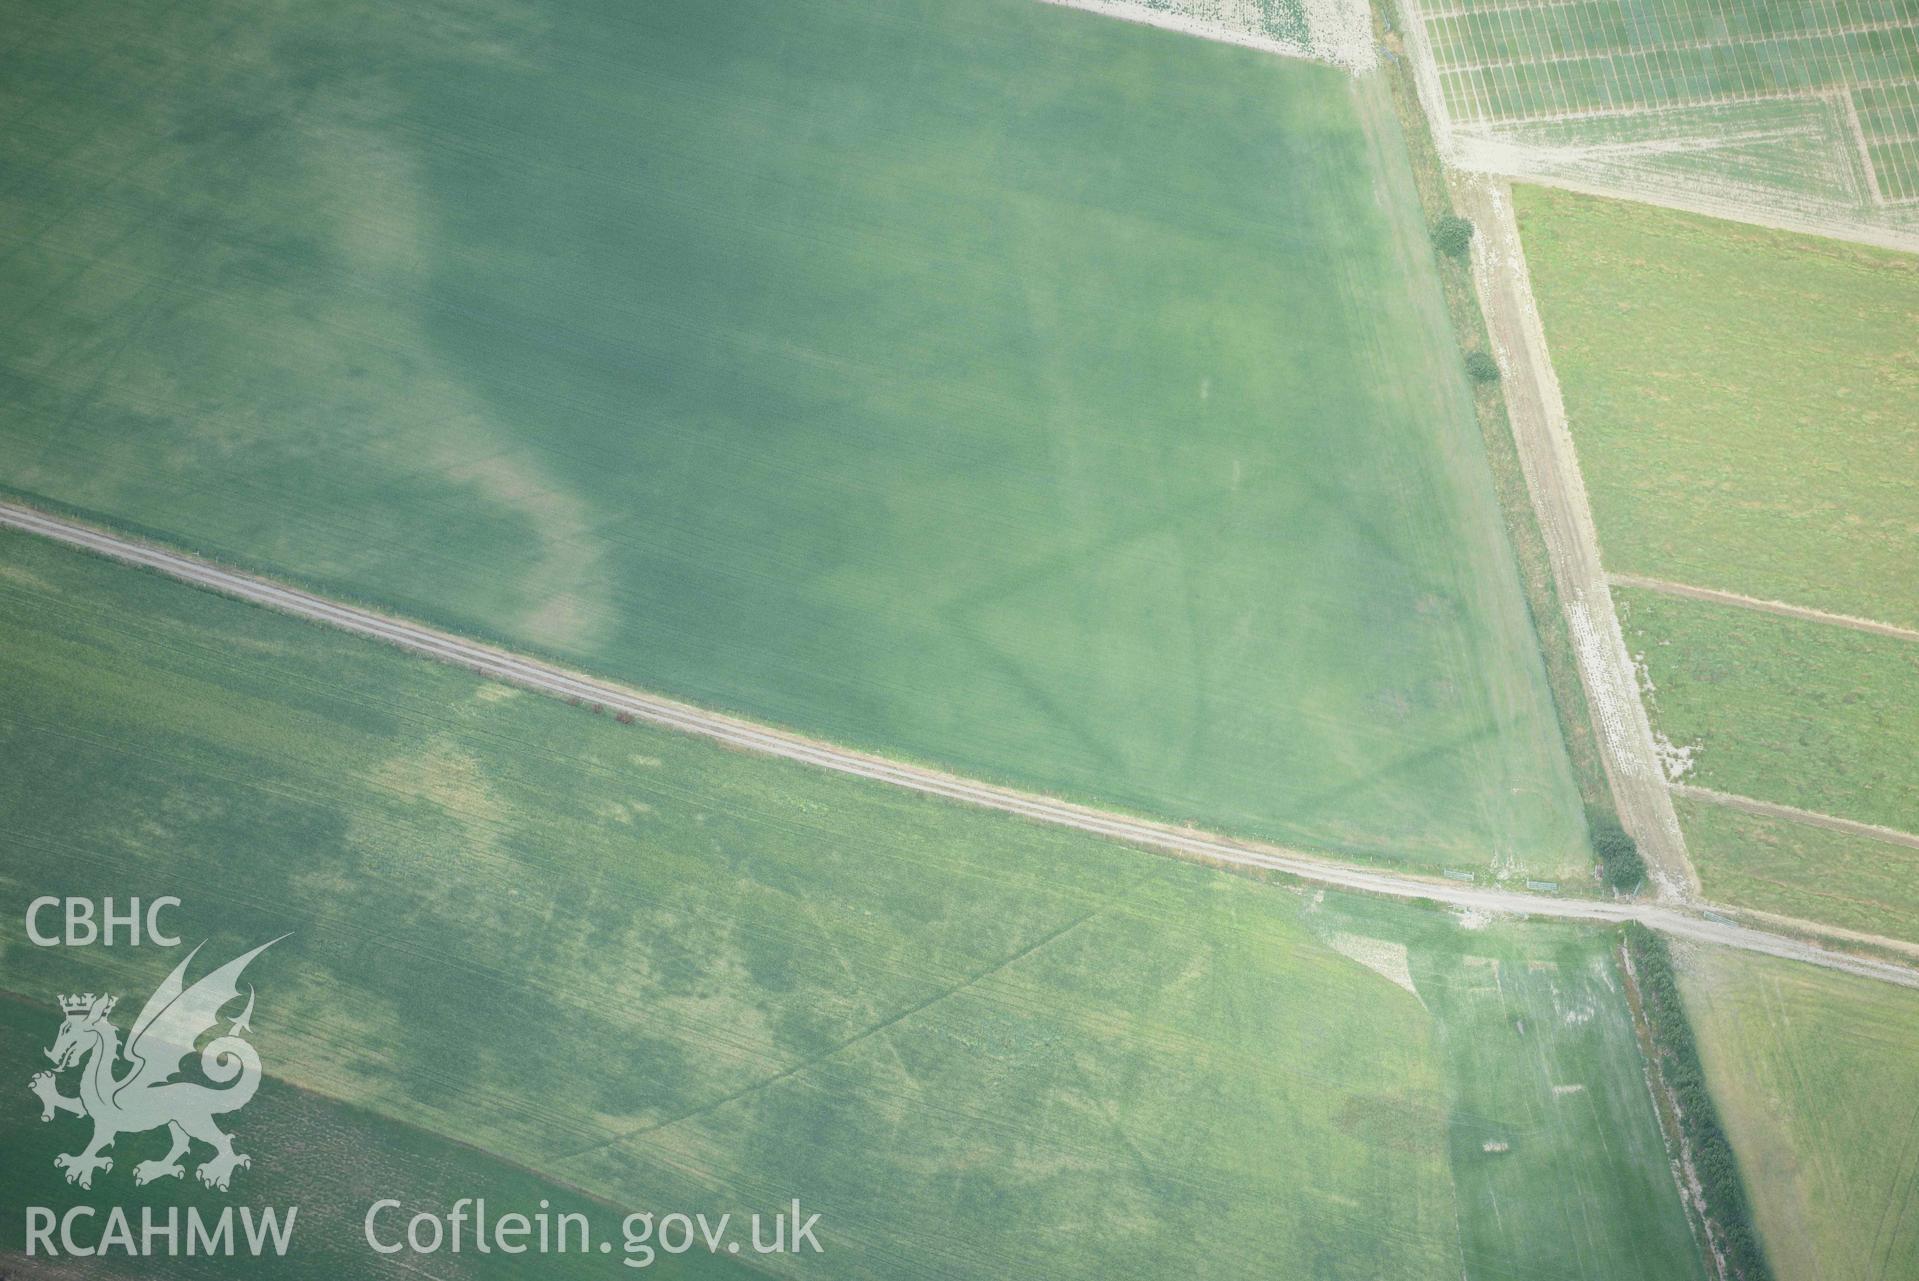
(81, 1004)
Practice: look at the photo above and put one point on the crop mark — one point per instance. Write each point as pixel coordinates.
(867, 1033)
(1187, 843)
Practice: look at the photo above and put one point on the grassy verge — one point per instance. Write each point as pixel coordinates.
(1708, 1152)
(1502, 452)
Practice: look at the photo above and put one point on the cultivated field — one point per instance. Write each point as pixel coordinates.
(1768, 109)
(978, 1047)
(1741, 400)
(1797, 869)
(863, 368)
(1815, 1075)
(1806, 714)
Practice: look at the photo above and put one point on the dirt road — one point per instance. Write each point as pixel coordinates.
(1811, 818)
(1665, 587)
(1183, 842)
(1572, 542)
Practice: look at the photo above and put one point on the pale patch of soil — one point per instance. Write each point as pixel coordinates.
(1384, 958)
(1339, 32)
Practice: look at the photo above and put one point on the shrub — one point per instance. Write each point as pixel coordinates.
(1481, 368)
(1453, 236)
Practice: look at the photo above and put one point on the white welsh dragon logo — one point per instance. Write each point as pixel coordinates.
(147, 1097)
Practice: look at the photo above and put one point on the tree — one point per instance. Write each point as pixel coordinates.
(1481, 368)
(1453, 236)
(1619, 860)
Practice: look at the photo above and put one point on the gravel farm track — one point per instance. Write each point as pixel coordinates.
(1714, 596)
(1188, 843)
(1793, 814)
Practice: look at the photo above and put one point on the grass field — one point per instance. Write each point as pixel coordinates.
(1815, 1075)
(977, 1047)
(868, 368)
(1799, 870)
(1557, 1158)
(1806, 714)
(1798, 108)
(1741, 400)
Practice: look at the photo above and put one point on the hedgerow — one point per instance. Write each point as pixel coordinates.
(1677, 1060)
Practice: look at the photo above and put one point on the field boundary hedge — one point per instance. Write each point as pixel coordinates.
(1729, 1227)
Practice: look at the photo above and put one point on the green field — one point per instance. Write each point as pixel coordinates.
(1794, 108)
(978, 1047)
(1806, 714)
(1795, 869)
(872, 368)
(1816, 1075)
(1741, 400)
